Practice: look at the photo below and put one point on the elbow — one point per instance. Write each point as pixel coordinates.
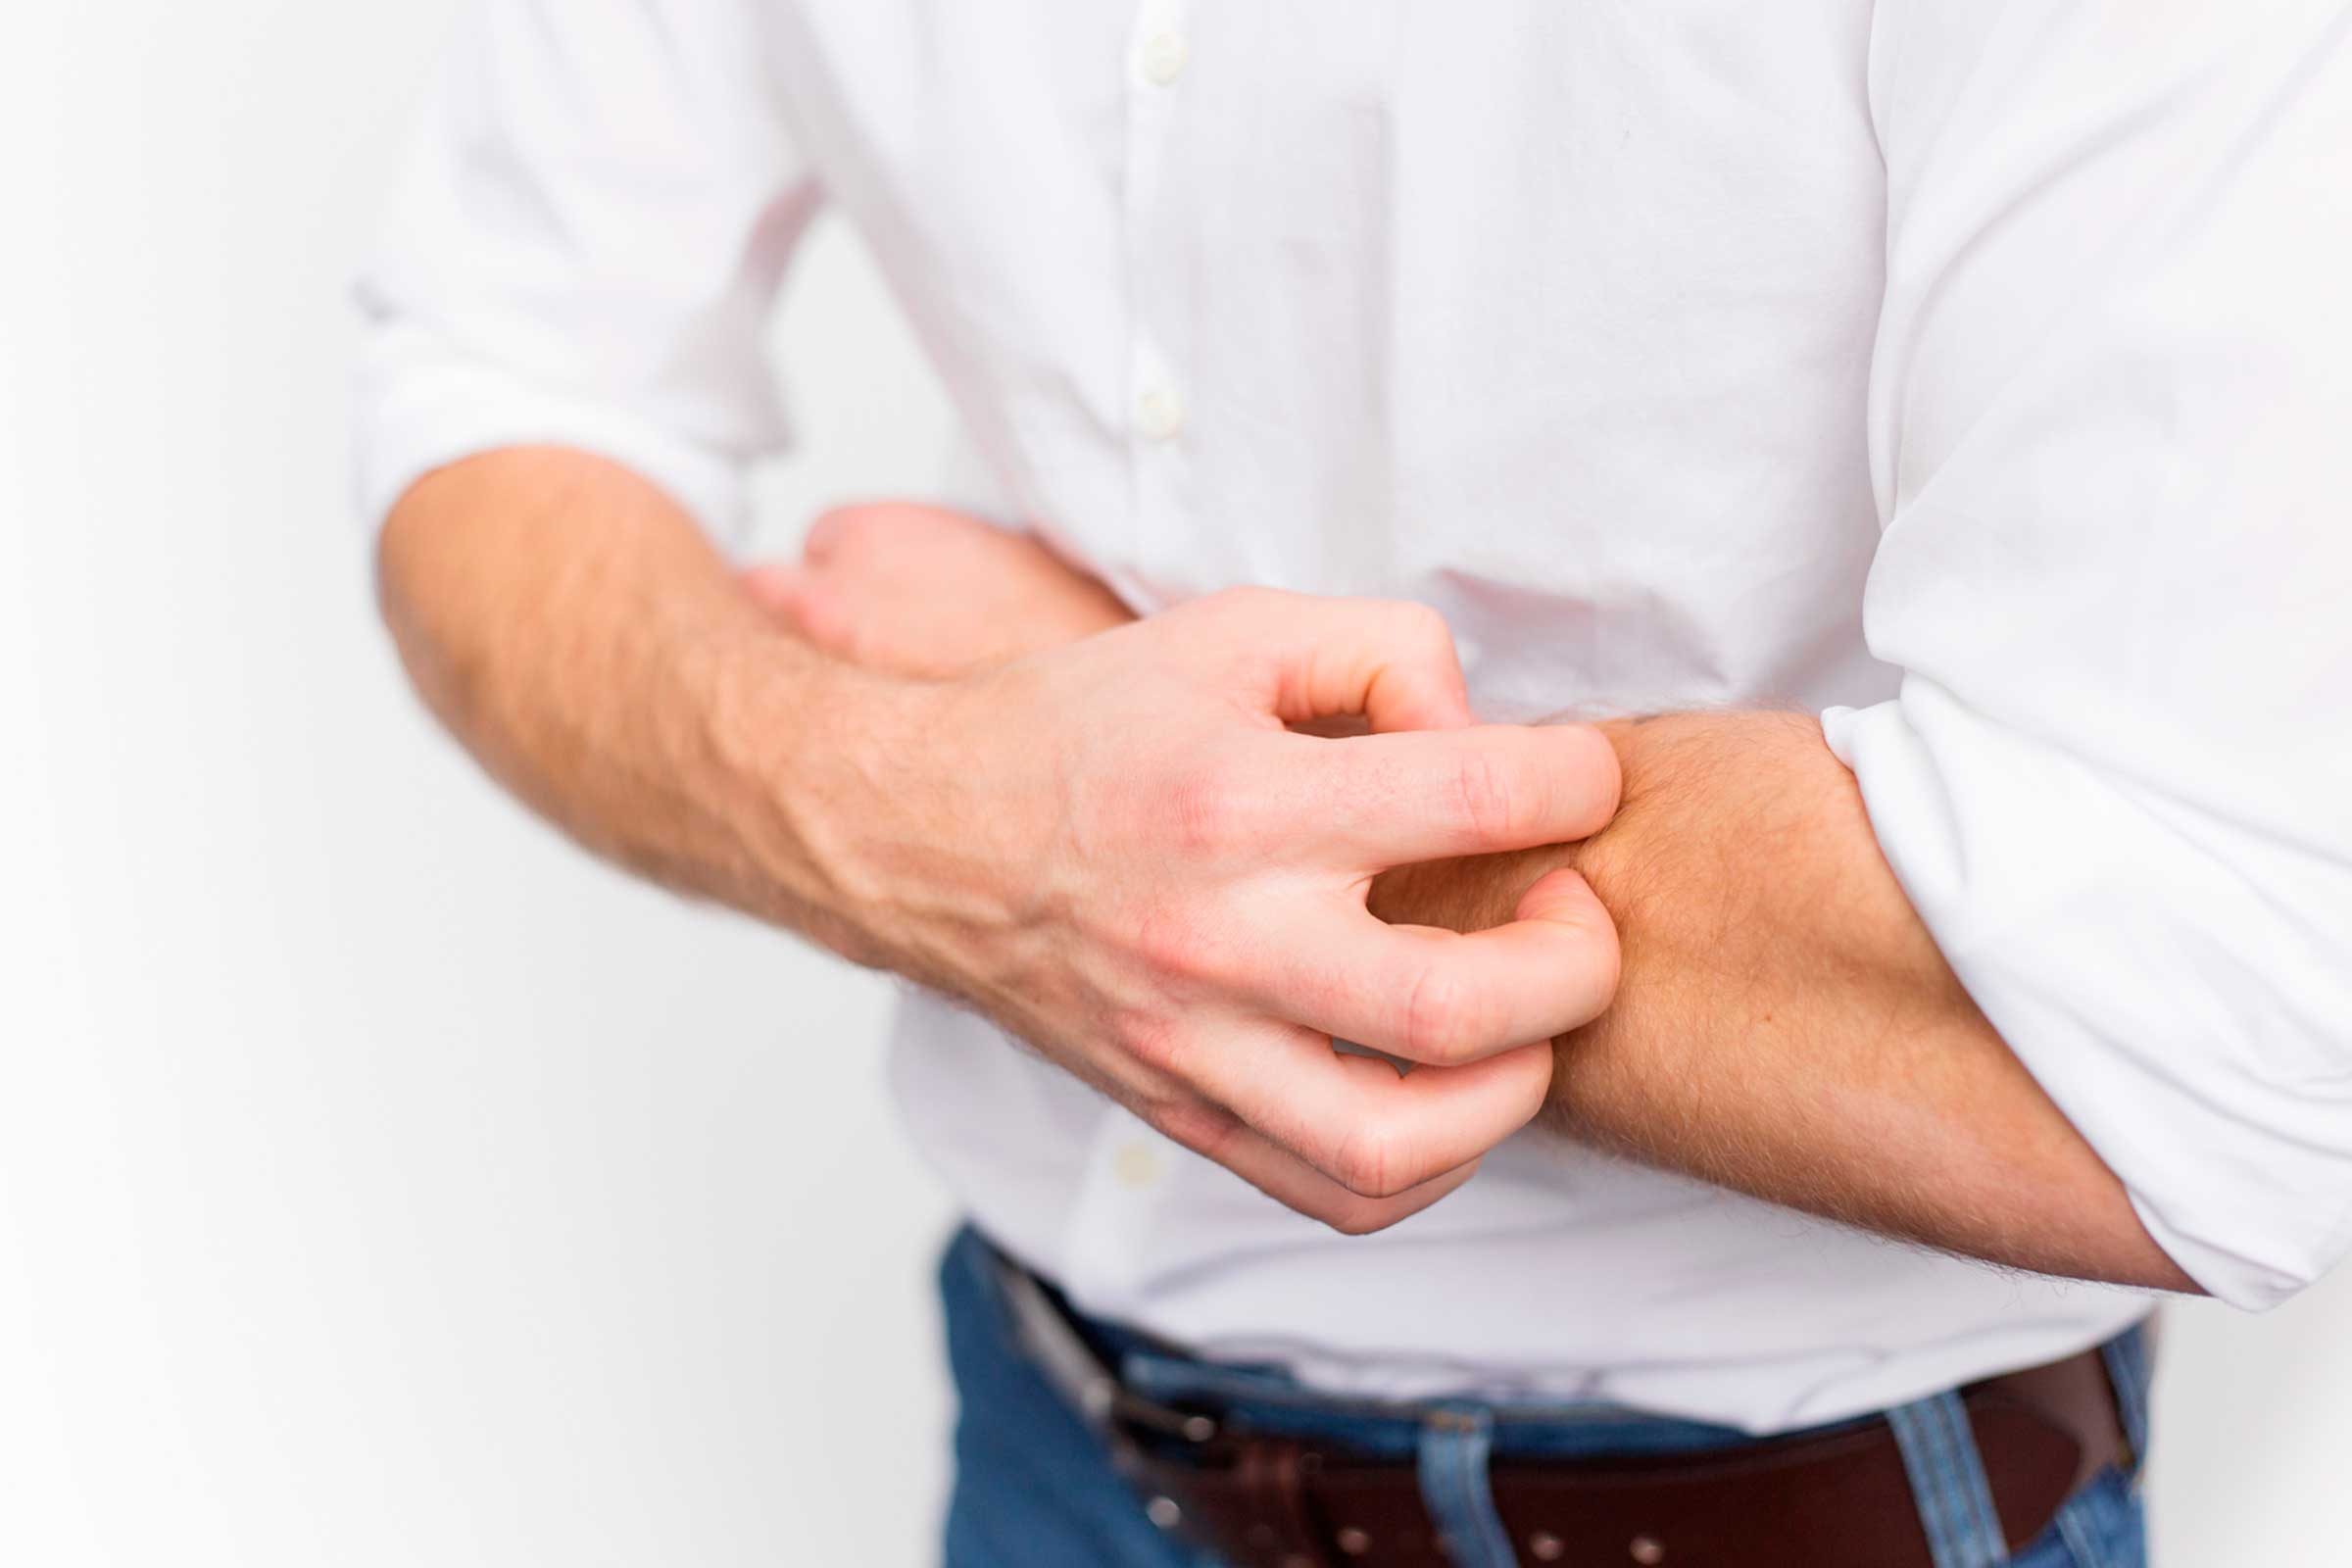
(2094, 1227)
(421, 597)
(2252, 1258)
(403, 599)
(2141, 1260)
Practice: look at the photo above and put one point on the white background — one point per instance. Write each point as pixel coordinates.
(380, 1181)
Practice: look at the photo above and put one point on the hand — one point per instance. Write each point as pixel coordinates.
(1472, 894)
(1116, 849)
(928, 592)
(922, 591)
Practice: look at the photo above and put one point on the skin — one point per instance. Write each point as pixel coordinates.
(1785, 1025)
(1111, 845)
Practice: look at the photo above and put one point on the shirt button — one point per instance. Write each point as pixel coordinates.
(1164, 57)
(1135, 1166)
(1160, 414)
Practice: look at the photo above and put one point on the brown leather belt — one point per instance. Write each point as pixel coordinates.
(1839, 1498)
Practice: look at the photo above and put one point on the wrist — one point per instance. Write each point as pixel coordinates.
(886, 814)
(799, 747)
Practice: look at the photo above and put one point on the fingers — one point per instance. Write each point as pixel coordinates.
(929, 594)
(1295, 1184)
(1317, 658)
(775, 587)
(1439, 996)
(1222, 1137)
(797, 601)
(867, 527)
(1392, 799)
(1358, 1122)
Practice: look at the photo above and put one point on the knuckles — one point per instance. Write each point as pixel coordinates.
(1157, 1043)
(1175, 945)
(1442, 1018)
(1246, 600)
(848, 531)
(1195, 1124)
(1489, 802)
(1606, 956)
(1375, 1162)
(1419, 627)
(1605, 777)
(1207, 808)
(1362, 1218)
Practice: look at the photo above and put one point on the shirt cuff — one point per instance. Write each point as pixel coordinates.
(2172, 1004)
(417, 408)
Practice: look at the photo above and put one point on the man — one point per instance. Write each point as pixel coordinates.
(1913, 431)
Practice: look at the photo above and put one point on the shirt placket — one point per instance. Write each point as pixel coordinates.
(1161, 68)
(1128, 1166)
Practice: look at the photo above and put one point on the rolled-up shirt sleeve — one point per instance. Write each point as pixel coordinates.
(582, 248)
(2112, 437)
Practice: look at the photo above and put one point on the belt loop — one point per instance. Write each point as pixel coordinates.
(1455, 1443)
(1947, 1482)
(2130, 1369)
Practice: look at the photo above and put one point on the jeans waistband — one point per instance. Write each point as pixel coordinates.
(1934, 1432)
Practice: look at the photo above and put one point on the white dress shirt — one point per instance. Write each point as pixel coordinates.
(1977, 376)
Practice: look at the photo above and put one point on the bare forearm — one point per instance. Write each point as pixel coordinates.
(1059, 840)
(1785, 1025)
(575, 631)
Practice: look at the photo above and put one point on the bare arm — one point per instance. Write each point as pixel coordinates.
(576, 630)
(1784, 1026)
(1081, 843)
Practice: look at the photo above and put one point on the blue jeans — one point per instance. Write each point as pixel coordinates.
(1035, 1489)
